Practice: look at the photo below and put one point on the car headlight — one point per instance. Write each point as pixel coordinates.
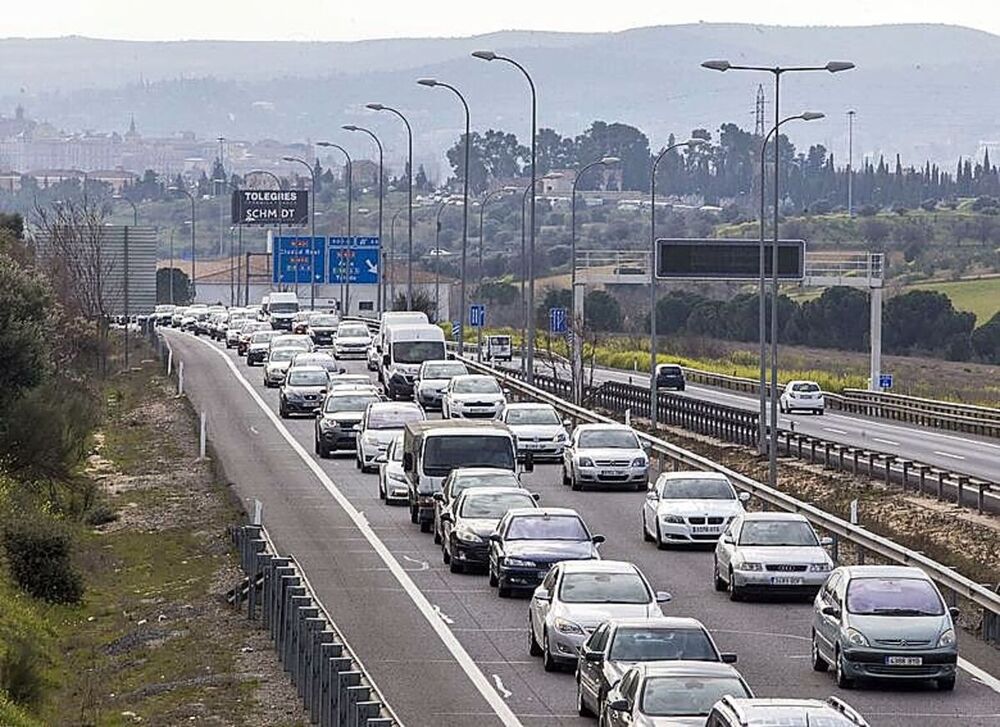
(639, 462)
(820, 567)
(585, 462)
(947, 638)
(567, 627)
(856, 637)
(294, 395)
(328, 423)
(519, 563)
(676, 519)
(468, 536)
(747, 566)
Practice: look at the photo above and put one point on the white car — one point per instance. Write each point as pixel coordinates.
(382, 423)
(472, 396)
(576, 597)
(771, 552)
(605, 454)
(690, 507)
(538, 429)
(802, 396)
(392, 484)
(351, 340)
(432, 380)
(276, 366)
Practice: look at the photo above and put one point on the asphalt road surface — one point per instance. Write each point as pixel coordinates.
(443, 648)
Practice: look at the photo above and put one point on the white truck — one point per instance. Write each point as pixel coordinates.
(404, 348)
(281, 308)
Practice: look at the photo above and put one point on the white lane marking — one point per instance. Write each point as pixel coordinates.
(949, 454)
(254, 430)
(424, 565)
(835, 431)
(450, 641)
(984, 678)
(443, 616)
(886, 441)
(504, 691)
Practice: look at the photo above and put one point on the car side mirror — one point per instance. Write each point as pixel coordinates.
(567, 423)
(663, 597)
(592, 655)
(954, 611)
(357, 428)
(831, 612)
(317, 411)
(598, 539)
(342, 371)
(728, 539)
(651, 495)
(407, 461)
(496, 538)
(618, 705)
(744, 497)
(529, 462)
(542, 594)
(438, 497)
(728, 658)
(536, 496)
(447, 518)
(826, 542)
(647, 446)
(380, 459)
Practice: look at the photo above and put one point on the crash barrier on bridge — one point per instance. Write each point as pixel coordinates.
(333, 685)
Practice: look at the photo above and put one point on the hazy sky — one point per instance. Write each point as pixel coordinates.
(351, 20)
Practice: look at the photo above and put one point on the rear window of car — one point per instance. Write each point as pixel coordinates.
(670, 370)
(805, 386)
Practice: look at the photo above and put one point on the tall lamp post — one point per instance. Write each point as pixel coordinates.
(578, 304)
(437, 262)
(409, 192)
(345, 297)
(850, 162)
(392, 258)
(777, 72)
(488, 55)
(381, 283)
(181, 190)
(430, 82)
(653, 397)
(312, 230)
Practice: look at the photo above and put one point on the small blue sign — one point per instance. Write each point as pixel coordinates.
(885, 381)
(477, 315)
(357, 262)
(557, 320)
(456, 330)
(292, 262)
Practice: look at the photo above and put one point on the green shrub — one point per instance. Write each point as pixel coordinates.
(38, 555)
(20, 672)
(13, 716)
(100, 514)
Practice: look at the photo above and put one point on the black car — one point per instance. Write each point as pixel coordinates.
(472, 518)
(303, 390)
(670, 376)
(463, 478)
(337, 424)
(321, 329)
(619, 643)
(529, 542)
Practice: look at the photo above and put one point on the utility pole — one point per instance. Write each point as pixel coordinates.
(850, 163)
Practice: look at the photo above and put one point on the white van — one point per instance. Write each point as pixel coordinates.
(281, 309)
(389, 319)
(404, 348)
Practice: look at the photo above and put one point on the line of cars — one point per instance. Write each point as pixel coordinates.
(460, 478)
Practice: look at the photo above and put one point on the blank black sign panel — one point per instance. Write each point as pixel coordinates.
(711, 259)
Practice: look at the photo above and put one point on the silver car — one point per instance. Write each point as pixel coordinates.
(736, 712)
(576, 597)
(393, 487)
(538, 429)
(605, 454)
(276, 366)
(884, 622)
(433, 379)
(773, 552)
(382, 423)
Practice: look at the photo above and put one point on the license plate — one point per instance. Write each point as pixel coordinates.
(785, 581)
(904, 660)
(611, 473)
(706, 528)
(533, 445)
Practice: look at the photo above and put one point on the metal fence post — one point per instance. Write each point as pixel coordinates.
(355, 695)
(180, 379)
(345, 680)
(325, 650)
(330, 713)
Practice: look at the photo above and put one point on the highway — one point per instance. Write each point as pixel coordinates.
(443, 648)
(954, 451)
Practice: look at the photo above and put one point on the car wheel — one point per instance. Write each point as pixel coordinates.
(533, 648)
(502, 590)
(454, 566)
(720, 585)
(282, 411)
(425, 527)
(381, 492)
(820, 412)
(818, 662)
(581, 706)
(437, 538)
(445, 555)
(357, 462)
(843, 681)
(324, 452)
(645, 531)
(565, 477)
(494, 581)
(659, 538)
(574, 484)
(735, 592)
(548, 662)
(946, 684)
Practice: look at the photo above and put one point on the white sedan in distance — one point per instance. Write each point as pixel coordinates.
(351, 340)
(538, 429)
(605, 454)
(472, 396)
(690, 507)
(802, 396)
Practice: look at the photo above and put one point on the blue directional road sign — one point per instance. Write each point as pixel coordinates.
(477, 315)
(885, 381)
(358, 262)
(557, 320)
(291, 259)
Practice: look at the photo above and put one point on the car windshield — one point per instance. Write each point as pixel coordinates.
(394, 418)
(661, 644)
(262, 336)
(414, 352)
(301, 344)
(893, 597)
(444, 370)
(352, 332)
(485, 479)
(805, 386)
(608, 439)
(541, 415)
(670, 371)
(283, 308)
(396, 451)
(494, 505)
(324, 321)
(687, 696)
(777, 532)
(282, 354)
(445, 452)
(307, 378)
(604, 588)
(697, 489)
(351, 402)
(485, 385)
(547, 527)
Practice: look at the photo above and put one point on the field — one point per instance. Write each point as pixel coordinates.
(980, 296)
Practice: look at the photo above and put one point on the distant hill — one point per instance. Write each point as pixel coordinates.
(921, 90)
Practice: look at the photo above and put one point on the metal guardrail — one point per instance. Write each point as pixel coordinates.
(331, 681)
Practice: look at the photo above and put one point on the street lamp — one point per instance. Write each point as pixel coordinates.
(135, 210)
(345, 297)
(431, 83)
(437, 263)
(654, 398)
(312, 233)
(183, 191)
(777, 72)
(409, 191)
(488, 55)
(392, 258)
(378, 143)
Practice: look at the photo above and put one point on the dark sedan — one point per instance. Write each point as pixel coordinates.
(472, 518)
(670, 376)
(321, 329)
(337, 424)
(529, 542)
(303, 391)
